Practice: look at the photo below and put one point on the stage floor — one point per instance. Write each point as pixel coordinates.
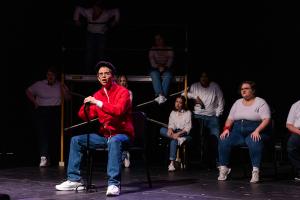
(34, 183)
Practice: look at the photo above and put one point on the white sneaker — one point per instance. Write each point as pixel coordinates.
(113, 190)
(181, 140)
(160, 99)
(127, 159)
(44, 162)
(223, 173)
(70, 185)
(255, 176)
(171, 167)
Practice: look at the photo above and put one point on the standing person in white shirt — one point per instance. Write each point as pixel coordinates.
(247, 123)
(99, 21)
(209, 106)
(46, 96)
(293, 144)
(178, 130)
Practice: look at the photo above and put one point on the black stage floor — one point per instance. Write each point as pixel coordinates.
(34, 183)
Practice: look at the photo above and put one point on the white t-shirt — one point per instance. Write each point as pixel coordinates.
(258, 111)
(180, 120)
(211, 96)
(46, 95)
(294, 115)
(98, 25)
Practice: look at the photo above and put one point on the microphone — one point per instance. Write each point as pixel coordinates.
(87, 105)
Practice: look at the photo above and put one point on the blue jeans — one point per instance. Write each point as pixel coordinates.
(173, 143)
(161, 81)
(209, 122)
(240, 135)
(114, 165)
(293, 149)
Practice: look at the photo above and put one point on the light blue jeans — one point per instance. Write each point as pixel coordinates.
(240, 135)
(173, 143)
(161, 81)
(115, 149)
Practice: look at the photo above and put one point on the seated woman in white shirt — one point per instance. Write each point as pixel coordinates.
(178, 130)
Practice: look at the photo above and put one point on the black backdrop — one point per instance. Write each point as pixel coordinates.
(237, 40)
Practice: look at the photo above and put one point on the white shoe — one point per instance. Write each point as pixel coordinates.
(181, 140)
(113, 190)
(223, 173)
(255, 176)
(44, 162)
(160, 99)
(70, 185)
(127, 159)
(171, 167)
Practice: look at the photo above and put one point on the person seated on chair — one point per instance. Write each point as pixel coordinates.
(293, 144)
(179, 126)
(123, 81)
(208, 108)
(247, 124)
(112, 105)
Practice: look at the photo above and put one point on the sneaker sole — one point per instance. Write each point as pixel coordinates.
(79, 188)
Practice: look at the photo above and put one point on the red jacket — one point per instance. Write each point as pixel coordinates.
(115, 115)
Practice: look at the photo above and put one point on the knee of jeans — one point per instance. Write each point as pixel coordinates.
(75, 139)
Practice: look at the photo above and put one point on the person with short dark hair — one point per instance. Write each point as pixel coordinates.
(112, 105)
(46, 96)
(208, 107)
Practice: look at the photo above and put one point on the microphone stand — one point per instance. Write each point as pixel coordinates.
(89, 186)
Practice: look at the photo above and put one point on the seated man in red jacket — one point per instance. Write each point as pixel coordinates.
(112, 105)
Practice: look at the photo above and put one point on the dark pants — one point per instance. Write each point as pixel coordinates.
(209, 141)
(293, 149)
(47, 124)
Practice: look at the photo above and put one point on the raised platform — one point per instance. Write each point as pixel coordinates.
(133, 78)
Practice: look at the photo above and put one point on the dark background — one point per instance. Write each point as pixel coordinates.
(236, 40)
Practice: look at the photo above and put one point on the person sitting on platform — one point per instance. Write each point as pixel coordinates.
(247, 124)
(112, 105)
(293, 145)
(179, 126)
(161, 59)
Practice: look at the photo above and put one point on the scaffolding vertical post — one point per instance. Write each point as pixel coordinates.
(61, 162)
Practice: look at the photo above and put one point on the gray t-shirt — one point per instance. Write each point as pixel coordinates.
(258, 111)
